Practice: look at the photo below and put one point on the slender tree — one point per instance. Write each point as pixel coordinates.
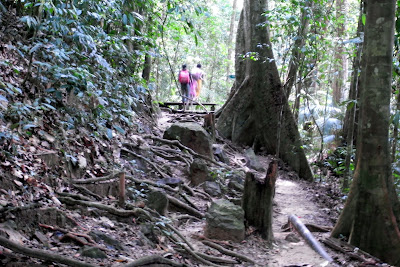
(257, 113)
(340, 58)
(369, 217)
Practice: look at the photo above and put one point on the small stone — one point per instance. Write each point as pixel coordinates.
(293, 238)
(212, 188)
(93, 252)
(158, 201)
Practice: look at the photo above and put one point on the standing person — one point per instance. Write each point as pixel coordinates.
(184, 79)
(197, 76)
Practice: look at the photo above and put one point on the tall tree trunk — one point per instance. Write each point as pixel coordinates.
(372, 222)
(396, 125)
(354, 93)
(252, 114)
(297, 54)
(340, 58)
(230, 39)
(146, 68)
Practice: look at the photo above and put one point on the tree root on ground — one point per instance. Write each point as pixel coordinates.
(211, 258)
(119, 212)
(75, 236)
(228, 252)
(86, 191)
(183, 147)
(163, 175)
(153, 260)
(41, 254)
(350, 250)
(182, 205)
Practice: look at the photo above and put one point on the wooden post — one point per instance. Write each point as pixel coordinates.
(122, 190)
(257, 200)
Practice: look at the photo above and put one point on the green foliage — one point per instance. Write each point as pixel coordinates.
(336, 161)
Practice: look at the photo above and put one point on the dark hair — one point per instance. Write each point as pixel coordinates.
(199, 65)
(184, 66)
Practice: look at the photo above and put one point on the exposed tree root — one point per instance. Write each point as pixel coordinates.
(212, 258)
(86, 191)
(228, 252)
(109, 177)
(163, 175)
(182, 205)
(183, 147)
(41, 254)
(187, 199)
(197, 257)
(349, 250)
(153, 260)
(119, 212)
(78, 237)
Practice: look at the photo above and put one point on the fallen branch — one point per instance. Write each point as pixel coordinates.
(40, 254)
(308, 237)
(153, 260)
(182, 205)
(228, 252)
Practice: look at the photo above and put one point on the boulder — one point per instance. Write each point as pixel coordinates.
(220, 154)
(192, 135)
(158, 201)
(199, 172)
(212, 188)
(111, 242)
(252, 160)
(93, 252)
(225, 221)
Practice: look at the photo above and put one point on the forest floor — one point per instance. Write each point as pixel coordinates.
(73, 210)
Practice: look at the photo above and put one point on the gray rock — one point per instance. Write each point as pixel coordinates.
(110, 241)
(212, 188)
(199, 172)
(235, 185)
(170, 181)
(93, 252)
(192, 135)
(219, 153)
(252, 160)
(158, 201)
(225, 221)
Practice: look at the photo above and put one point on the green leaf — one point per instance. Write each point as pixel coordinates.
(363, 18)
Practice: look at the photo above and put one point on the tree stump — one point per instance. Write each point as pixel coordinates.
(257, 200)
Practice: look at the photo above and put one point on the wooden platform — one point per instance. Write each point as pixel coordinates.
(180, 105)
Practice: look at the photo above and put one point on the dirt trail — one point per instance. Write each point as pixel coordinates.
(292, 198)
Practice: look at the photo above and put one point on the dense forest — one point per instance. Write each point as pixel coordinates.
(96, 169)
